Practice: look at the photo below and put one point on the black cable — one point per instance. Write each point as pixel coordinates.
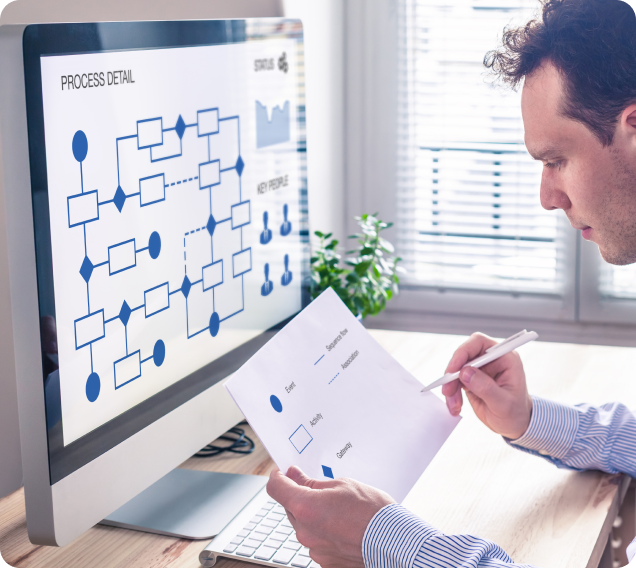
(241, 444)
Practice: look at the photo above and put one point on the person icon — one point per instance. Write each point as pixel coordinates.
(268, 285)
(286, 278)
(266, 235)
(286, 227)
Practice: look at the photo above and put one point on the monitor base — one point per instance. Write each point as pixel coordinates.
(188, 504)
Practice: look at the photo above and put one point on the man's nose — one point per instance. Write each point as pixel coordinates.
(552, 196)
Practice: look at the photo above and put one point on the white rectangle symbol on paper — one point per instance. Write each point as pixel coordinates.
(89, 329)
(242, 262)
(121, 256)
(149, 133)
(210, 174)
(208, 122)
(82, 208)
(240, 215)
(127, 369)
(156, 300)
(152, 189)
(213, 275)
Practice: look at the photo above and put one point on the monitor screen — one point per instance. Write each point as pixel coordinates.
(169, 193)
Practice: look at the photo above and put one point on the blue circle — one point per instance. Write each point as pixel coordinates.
(215, 323)
(159, 353)
(93, 385)
(154, 245)
(80, 146)
(276, 403)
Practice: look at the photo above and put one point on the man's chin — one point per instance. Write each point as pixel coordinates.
(617, 258)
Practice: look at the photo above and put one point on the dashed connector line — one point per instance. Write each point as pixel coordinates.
(182, 181)
(332, 380)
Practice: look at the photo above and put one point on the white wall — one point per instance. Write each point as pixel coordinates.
(325, 68)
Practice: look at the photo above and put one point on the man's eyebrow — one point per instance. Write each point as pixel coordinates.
(545, 153)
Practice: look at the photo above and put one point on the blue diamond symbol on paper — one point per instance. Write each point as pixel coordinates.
(185, 286)
(180, 127)
(86, 269)
(240, 165)
(326, 471)
(211, 225)
(124, 313)
(120, 198)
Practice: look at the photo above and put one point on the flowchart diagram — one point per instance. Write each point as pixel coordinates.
(84, 208)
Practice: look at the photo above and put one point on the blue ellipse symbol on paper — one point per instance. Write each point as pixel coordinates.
(154, 245)
(215, 322)
(93, 385)
(159, 353)
(276, 404)
(80, 146)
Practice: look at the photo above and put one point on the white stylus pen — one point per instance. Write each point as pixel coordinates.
(492, 353)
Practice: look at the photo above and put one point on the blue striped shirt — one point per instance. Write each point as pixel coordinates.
(574, 437)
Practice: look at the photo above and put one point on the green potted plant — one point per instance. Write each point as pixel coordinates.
(369, 278)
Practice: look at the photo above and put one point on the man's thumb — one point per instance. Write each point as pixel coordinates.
(480, 384)
(298, 475)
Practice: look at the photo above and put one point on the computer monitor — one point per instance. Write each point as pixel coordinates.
(156, 223)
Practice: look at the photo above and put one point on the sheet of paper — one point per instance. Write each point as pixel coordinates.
(322, 394)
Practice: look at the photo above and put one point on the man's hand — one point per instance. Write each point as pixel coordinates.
(329, 517)
(497, 391)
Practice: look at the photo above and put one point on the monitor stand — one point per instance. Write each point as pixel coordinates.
(188, 504)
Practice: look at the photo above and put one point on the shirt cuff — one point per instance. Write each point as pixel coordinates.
(552, 430)
(393, 538)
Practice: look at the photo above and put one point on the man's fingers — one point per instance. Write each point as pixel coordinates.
(449, 389)
(298, 475)
(453, 393)
(475, 346)
(482, 385)
(283, 489)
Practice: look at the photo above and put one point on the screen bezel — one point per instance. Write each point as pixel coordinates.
(42, 40)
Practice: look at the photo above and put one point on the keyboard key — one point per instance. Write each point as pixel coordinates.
(286, 524)
(258, 536)
(236, 540)
(256, 520)
(250, 526)
(270, 523)
(265, 553)
(269, 505)
(293, 539)
(314, 564)
(264, 530)
(283, 556)
(271, 502)
(301, 561)
(262, 512)
(273, 543)
(292, 545)
(245, 551)
(243, 533)
(284, 530)
(252, 543)
(230, 548)
(278, 536)
(276, 516)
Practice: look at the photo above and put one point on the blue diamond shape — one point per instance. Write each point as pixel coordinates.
(185, 286)
(124, 313)
(240, 165)
(120, 198)
(211, 225)
(327, 471)
(180, 127)
(86, 269)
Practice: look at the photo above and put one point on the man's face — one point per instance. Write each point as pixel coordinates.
(595, 186)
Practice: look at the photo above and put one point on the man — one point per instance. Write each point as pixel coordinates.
(578, 64)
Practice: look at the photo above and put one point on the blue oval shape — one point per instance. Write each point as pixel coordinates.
(215, 322)
(93, 386)
(159, 353)
(276, 403)
(154, 245)
(80, 146)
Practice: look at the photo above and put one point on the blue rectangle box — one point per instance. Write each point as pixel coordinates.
(89, 329)
(149, 133)
(82, 208)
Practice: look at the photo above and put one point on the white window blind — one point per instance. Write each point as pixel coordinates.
(617, 281)
(468, 213)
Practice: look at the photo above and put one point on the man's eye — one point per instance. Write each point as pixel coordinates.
(553, 164)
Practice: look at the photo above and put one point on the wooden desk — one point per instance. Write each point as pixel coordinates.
(539, 514)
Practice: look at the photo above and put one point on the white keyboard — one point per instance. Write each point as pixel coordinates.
(261, 534)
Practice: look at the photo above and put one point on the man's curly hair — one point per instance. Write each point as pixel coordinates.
(592, 43)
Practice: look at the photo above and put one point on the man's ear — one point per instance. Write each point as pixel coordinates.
(628, 118)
